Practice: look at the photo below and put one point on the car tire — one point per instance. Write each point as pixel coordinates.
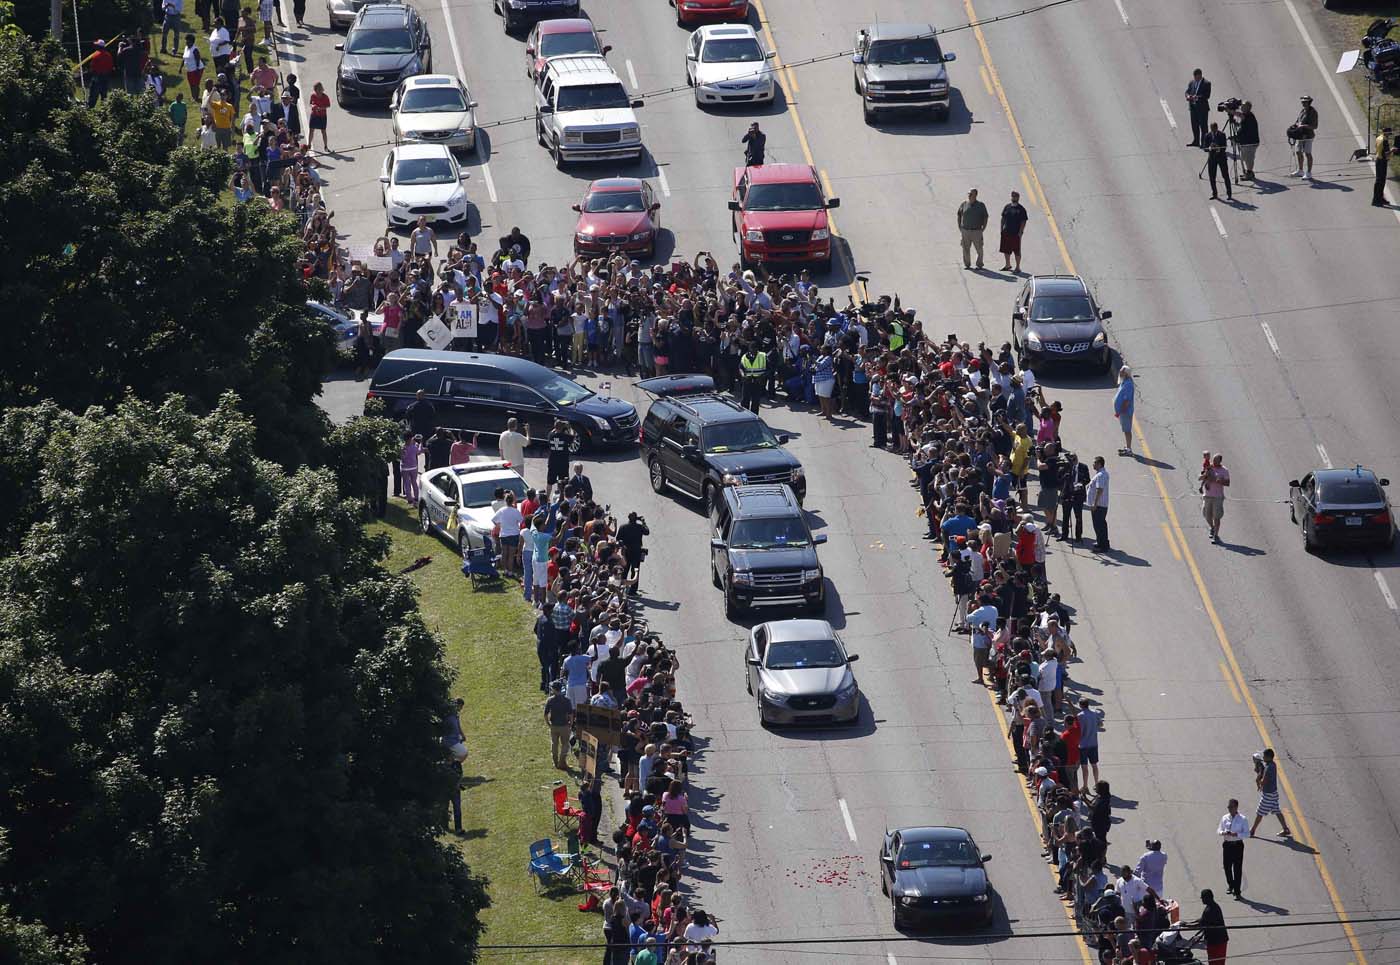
(818, 607)
(557, 152)
(1107, 365)
(894, 916)
(657, 474)
(1310, 545)
(732, 611)
(884, 885)
(506, 25)
(707, 498)
(425, 522)
(1292, 513)
(579, 443)
(714, 576)
(748, 683)
(940, 114)
(680, 17)
(866, 111)
(855, 81)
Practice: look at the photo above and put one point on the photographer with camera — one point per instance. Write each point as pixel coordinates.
(1246, 135)
(1218, 160)
(1301, 135)
(630, 534)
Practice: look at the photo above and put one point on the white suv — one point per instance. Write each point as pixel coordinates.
(584, 113)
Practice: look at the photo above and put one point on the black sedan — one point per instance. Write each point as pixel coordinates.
(1056, 320)
(935, 876)
(1342, 507)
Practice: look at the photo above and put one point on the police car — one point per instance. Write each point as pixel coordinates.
(455, 501)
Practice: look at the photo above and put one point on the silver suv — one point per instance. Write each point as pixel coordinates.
(899, 66)
(583, 113)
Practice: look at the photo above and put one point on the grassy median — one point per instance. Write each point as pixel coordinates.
(505, 805)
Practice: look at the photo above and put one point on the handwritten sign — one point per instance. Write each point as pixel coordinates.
(588, 755)
(435, 334)
(602, 723)
(464, 316)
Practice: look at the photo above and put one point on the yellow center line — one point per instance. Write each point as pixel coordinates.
(1229, 678)
(986, 80)
(1175, 524)
(789, 85)
(1171, 541)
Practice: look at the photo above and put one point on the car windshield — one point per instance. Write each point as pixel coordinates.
(952, 853)
(394, 41)
(795, 654)
(559, 45)
(737, 50)
(783, 197)
(1348, 492)
(1061, 308)
(739, 437)
(432, 100)
(562, 391)
(593, 97)
(424, 170)
(915, 50)
(478, 493)
(752, 534)
(611, 202)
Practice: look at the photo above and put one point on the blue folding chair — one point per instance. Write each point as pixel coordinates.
(547, 866)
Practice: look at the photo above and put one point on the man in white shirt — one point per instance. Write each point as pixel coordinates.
(1131, 888)
(1233, 830)
(220, 45)
(982, 620)
(512, 445)
(1152, 867)
(1096, 497)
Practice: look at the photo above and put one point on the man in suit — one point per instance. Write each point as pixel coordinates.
(1198, 105)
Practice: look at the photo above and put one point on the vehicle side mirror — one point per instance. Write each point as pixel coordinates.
(833, 202)
(637, 102)
(529, 50)
(819, 539)
(753, 662)
(1105, 315)
(733, 205)
(451, 505)
(784, 438)
(1293, 484)
(690, 452)
(463, 175)
(986, 858)
(852, 657)
(472, 105)
(606, 48)
(689, 55)
(887, 858)
(857, 58)
(1018, 316)
(769, 54)
(656, 206)
(384, 179)
(716, 544)
(545, 109)
(948, 58)
(339, 46)
(1385, 482)
(577, 207)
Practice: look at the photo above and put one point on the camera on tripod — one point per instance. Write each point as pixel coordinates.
(1229, 106)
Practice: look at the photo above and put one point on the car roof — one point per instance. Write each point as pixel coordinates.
(384, 13)
(411, 151)
(783, 631)
(523, 369)
(759, 501)
(566, 25)
(488, 469)
(1058, 285)
(1333, 479)
(712, 30)
(581, 69)
(787, 173)
(616, 184)
(898, 31)
(933, 834)
(712, 409)
(432, 80)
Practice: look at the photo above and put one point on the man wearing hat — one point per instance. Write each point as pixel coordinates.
(1305, 129)
(101, 67)
(1384, 148)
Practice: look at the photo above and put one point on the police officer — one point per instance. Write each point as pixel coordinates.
(560, 437)
(1217, 160)
(753, 368)
(1383, 150)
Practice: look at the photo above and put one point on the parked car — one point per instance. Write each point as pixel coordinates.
(1341, 507)
(455, 501)
(480, 392)
(779, 215)
(798, 672)
(728, 64)
(762, 554)
(935, 876)
(1056, 319)
(696, 442)
(583, 113)
(387, 43)
(900, 66)
(422, 180)
(617, 214)
(565, 37)
(435, 109)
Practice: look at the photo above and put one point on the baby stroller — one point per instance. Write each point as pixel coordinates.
(1174, 948)
(479, 565)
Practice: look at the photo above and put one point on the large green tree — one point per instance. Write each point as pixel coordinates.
(124, 272)
(220, 718)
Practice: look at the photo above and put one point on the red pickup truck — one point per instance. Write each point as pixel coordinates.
(779, 215)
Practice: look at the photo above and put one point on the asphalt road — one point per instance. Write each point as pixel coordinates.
(1265, 329)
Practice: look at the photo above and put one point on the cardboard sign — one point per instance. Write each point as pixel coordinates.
(365, 255)
(601, 723)
(464, 315)
(435, 334)
(588, 755)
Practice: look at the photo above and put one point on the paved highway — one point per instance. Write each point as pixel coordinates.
(1264, 329)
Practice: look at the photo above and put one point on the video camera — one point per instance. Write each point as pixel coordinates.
(1382, 54)
(1230, 106)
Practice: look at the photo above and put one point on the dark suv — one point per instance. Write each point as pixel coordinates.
(387, 43)
(698, 444)
(516, 14)
(761, 551)
(1056, 319)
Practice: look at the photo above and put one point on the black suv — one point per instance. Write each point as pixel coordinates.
(700, 443)
(516, 14)
(1055, 319)
(761, 551)
(387, 43)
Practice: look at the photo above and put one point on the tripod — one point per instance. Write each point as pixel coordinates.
(1232, 132)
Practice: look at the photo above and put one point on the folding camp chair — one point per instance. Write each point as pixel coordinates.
(566, 813)
(547, 866)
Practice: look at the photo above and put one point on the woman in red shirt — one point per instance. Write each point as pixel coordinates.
(320, 101)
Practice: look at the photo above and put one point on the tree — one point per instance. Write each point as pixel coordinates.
(222, 718)
(126, 274)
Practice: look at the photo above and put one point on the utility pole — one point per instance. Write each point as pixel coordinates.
(56, 19)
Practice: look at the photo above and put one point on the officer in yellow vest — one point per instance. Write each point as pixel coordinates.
(896, 335)
(753, 367)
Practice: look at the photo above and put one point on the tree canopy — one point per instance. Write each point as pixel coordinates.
(222, 719)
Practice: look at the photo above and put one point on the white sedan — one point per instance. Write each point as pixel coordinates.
(423, 180)
(728, 64)
(435, 109)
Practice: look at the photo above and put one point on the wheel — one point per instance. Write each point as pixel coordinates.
(855, 80)
(894, 914)
(463, 543)
(865, 109)
(1292, 514)
(884, 885)
(940, 114)
(558, 153)
(714, 576)
(425, 522)
(680, 18)
(748, 684)
(1310, 545)
(707, 498)
(731, 605)
(505, 19)
(539, 131)
(657, 473)
(1107, 365)
(578, 442)
(818, 606)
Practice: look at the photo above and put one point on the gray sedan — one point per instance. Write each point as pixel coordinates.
(799, 672)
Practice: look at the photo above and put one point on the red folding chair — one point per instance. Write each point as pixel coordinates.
(594, 883)
(566, 813)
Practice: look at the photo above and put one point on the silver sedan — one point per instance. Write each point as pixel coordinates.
(798, 672)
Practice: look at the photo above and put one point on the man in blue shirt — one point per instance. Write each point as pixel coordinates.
(958, 524)
(576, 675)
